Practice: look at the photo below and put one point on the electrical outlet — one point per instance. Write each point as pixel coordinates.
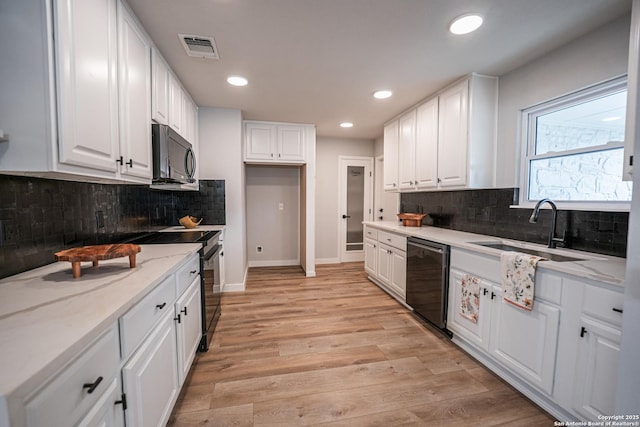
(259, 249)
(281, 206)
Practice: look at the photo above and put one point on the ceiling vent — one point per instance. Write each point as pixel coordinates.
(199, 46)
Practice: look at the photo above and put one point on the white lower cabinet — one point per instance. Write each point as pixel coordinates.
(169, 320)
(150, 377)
(526, 341)
(106, 412)
(386, 261)
(370, 256)
(79, 388)
(563, 354)
(476, 333)
(189, 327)
(596, 369)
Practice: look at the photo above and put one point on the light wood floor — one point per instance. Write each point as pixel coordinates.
(336, 350)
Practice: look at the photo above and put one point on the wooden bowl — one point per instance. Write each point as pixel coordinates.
(411, 219)
(189, 221)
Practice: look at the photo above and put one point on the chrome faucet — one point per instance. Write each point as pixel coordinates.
(553, 240)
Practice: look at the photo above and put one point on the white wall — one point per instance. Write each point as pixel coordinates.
(220, 157)
(328, 151)
(276, 230)
(598, 56)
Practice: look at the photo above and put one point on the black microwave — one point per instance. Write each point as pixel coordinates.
(173, 157)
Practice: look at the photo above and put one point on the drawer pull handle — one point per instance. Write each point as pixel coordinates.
(92, 386)
(583, 331)
(193, 271)
(161, 306)
(177, 318)
(485, 291)
(122, 401)
(184, 310)
(493, 295)
(617, 310)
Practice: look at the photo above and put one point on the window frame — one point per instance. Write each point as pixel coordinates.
(528, 129)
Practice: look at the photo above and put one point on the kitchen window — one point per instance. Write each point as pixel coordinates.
(574, 149)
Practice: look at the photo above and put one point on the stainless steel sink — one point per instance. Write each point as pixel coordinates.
(543, 254)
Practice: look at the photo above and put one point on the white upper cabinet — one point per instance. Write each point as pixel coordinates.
(290, 140)
(270, 142)
(406, 149)
(452, 136)
(418, 146)
(88, 71)
(448, 141)
(134, 52)
(391, 156)
(175, 104)
(87, 82)
(160, 88)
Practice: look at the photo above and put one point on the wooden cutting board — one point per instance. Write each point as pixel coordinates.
(97, 253)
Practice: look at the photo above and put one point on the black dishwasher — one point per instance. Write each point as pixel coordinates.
(428, 280)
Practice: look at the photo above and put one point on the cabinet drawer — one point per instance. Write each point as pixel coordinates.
(66, 399)
(137, 322)
(371, 233)
(395, 240)
(187, 273)
(600, 303)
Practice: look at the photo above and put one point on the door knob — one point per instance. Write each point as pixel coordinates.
(346, 216)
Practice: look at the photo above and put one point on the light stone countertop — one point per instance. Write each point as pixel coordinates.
(202, 227)
(47, 317)
(601, 268)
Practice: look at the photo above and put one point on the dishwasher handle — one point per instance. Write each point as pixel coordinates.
(429, 246)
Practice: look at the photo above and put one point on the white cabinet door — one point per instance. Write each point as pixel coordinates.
(407, 150)
(260, 141)
(290, 143)
(150, 377)
(189, 327)
(475, 333)
(134, 53)
(391, 156)
(384, 263)
(426, 159)
(526, 341)
(175, 104)
(87, 83)
(398, 279)
(370, 257)
(160, 75)
(453, 136)
(106, 413)
(596, 369)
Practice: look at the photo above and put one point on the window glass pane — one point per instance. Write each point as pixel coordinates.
(355, 207)
(591, 123)
(580, 177)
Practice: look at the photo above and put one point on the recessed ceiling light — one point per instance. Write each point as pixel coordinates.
(611, 119)
(346, 125)
(382, 94)
(237, 81)
(465, 24)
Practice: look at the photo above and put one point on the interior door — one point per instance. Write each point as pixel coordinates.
(356, 205)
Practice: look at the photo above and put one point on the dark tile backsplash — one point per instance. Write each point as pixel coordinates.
(488, 212)
(41, 216)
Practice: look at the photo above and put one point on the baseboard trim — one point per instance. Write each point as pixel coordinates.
(328, 261)
(274, 263)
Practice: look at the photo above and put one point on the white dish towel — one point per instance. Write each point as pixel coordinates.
(518, 278)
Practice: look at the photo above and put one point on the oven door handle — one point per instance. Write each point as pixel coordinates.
(212, 253)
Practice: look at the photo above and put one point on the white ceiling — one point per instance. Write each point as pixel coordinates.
(319, 61)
